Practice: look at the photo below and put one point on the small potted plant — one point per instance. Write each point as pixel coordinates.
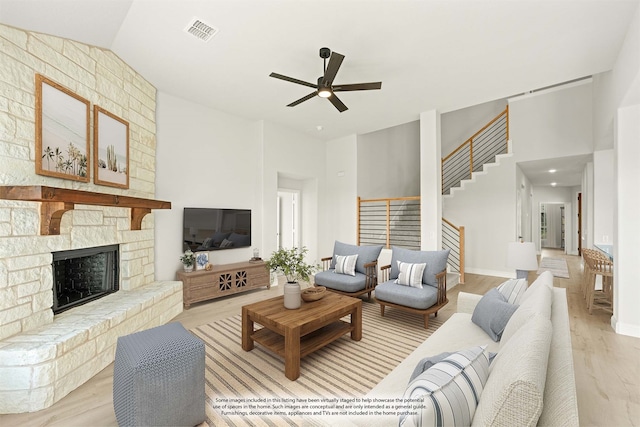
(291, 263)
(188, 259)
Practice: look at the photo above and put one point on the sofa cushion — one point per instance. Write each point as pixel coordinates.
(538, 302)
(436, 262)
(513, 395)
(341, 282)
(545, 279)
(346, 264)
(560, 399)
(492, 313)
(410, 274)
(366, 254)
(450, 390)
(420, 298)
(513, 289)
(428, 362)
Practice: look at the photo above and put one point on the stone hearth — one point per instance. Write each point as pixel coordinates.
(40, 367)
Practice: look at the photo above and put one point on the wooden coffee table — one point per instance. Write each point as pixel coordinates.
(293, 334)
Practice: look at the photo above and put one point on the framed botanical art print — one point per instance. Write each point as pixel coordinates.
(62, 132)
(110, 149)
(202, 259)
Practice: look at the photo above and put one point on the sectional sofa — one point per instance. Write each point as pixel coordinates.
(530, 377)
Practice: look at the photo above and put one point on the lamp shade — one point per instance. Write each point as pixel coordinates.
(522, 256)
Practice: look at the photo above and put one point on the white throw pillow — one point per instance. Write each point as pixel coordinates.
(410, 274)
(346, 264)
(449, 391)
(513, 289)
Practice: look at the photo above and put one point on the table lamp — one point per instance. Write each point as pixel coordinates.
(522, 257)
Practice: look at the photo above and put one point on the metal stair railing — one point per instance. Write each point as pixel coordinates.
(453, 238)
(476, 151)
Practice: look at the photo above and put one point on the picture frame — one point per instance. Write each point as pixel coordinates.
(110, 149)
(62, 132)
(202, 259)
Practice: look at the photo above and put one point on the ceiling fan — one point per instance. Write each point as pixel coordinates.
(325, 87)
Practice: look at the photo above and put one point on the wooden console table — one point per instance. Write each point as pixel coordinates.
(223, 279)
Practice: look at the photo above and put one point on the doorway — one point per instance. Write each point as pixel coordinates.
(287, 228)
(552, 226)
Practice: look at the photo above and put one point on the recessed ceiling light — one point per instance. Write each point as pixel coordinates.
(319, 128)
(553, 184)
(552, 171)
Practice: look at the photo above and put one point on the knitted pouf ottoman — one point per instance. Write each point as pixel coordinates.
(158, 378)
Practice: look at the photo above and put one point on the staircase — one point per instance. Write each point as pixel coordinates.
(476, 152)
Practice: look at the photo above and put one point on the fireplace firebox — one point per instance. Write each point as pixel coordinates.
(83, 275)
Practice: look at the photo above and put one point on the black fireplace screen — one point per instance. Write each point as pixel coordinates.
(83, 275)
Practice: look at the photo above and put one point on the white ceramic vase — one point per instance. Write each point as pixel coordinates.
(188, 268)
(292, 295)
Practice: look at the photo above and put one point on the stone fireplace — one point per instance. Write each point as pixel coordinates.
(40, 354)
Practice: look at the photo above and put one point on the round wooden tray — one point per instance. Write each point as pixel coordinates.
(313, 294)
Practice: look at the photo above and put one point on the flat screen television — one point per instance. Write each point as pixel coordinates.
(213, 229)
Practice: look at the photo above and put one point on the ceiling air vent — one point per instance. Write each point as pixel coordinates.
(199, 29)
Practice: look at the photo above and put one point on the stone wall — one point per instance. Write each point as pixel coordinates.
(99, 76)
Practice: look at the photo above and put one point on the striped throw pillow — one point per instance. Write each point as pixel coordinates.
(449, 391)
(410, 274)
(346, 264)
(513, 290)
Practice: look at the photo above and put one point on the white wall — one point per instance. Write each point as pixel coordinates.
(294, 156)
(430, 181)
(486, 207)
(626, 316)
(623, 118)
(342, 193)
(205, 158)
(551, 124)
(460, 125)
(389, 162)
(603, 196)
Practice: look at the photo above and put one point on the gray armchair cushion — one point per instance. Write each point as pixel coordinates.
(420, 298)
(436, 262)
(366, 254)
(341, 282)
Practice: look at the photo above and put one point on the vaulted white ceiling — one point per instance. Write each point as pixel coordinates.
(442, 55)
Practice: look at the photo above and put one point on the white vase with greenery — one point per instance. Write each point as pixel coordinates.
(188, 259)
(291, 262)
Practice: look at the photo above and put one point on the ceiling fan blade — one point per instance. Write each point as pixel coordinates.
(304, 98)
(337, 103)
(292, 80)
(332, 69)
(357, 86)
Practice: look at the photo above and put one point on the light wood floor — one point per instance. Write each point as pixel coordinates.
(607, 366)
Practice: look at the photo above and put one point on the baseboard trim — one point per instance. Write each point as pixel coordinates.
(625, 328)
(495, 273)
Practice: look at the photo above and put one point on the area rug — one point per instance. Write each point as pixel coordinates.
(239, 384)
(557, 266)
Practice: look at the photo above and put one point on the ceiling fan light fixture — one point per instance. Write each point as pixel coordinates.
(324, 92)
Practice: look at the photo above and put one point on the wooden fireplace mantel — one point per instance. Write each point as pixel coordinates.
(57, 201)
